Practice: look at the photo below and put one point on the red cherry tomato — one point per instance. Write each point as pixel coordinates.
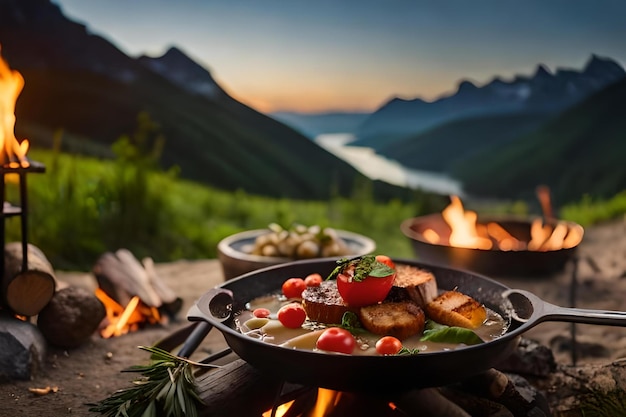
(292, 315)
(313, 280)
(261, 312)
(371, 290)
(386, 260)
(388, 345)
(336, 339)
(293, 287)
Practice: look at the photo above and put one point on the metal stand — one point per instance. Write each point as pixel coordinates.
(9, 210)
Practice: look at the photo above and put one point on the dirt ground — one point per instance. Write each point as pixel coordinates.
(93, 371)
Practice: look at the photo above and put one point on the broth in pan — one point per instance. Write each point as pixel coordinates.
(432, 337)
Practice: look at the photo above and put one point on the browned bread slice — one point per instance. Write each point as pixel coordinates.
(399, 319)
(324, 304)
(415, 284)
(453, 308)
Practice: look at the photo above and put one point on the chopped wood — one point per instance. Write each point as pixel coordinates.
(164, 292)
(26, 289)
(121, 281)
(136, 270)
(122, 276)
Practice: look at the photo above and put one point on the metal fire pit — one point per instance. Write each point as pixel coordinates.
(492, 261)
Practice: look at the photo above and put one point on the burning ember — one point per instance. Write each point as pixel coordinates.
(121, 320)
(11, 85)
(466, 232)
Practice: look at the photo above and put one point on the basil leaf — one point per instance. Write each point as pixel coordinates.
(350, 321)
(451, 334)
(433, 325)
(381, 270)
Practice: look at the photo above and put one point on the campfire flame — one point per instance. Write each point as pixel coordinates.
(327, 400)
(11, 85)
(121, 320)
(466, 232)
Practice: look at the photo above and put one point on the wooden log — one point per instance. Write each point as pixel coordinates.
(122, 276)
(71, 317)
(26, 291)
(121, 279)
(236, 389)
(137, 273)
(171, 302)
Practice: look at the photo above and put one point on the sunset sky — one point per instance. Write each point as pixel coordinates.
(327, 55)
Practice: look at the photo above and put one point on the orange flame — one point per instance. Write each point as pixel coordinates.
(327, 401)
(463, 223)
(121, 320)
(11, 85)
(466, 232)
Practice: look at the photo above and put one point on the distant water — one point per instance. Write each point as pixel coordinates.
(377, 167)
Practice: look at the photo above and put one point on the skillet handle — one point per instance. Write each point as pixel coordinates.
(528, 308)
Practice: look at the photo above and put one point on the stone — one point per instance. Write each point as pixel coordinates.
(530, 358)
(22, 349)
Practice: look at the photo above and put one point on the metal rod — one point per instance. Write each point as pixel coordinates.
(572, 302)
(2, 225)
(23, 218)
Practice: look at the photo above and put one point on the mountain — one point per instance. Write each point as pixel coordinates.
(80, 84)
(315, 124)
(438, 149)
(185, 72)
(577, 153)
(542, 93)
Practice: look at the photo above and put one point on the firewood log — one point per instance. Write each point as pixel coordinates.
(26, 291)
(223, 389)
(122, 276)
(71, 317)
(122, 279)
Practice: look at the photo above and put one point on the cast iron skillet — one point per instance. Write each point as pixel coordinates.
(383, 373)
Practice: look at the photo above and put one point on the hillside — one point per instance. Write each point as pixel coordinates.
(439, 148)
(81, 85)
(580, 152)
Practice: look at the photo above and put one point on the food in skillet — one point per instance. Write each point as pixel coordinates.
(405, 313)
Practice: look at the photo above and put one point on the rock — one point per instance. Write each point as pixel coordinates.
(22, 349)
(530, 358)
(590, 389)
(71, 317)
(584, 348)
(503, 394)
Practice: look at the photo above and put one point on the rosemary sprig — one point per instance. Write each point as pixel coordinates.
(166, 388)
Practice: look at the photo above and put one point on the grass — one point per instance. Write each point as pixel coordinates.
(82, 207)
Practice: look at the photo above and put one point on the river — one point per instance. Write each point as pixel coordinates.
(377, 167)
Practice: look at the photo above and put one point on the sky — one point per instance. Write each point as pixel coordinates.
(349, 55)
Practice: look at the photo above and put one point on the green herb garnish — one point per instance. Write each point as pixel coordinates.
(440, 333)
(350, 321)
(166, 388)
(364, 266)
(407, 351)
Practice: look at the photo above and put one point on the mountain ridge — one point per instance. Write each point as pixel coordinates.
(81, 84)
(543, 91)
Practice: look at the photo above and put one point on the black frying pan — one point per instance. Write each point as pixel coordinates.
(383, 373)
